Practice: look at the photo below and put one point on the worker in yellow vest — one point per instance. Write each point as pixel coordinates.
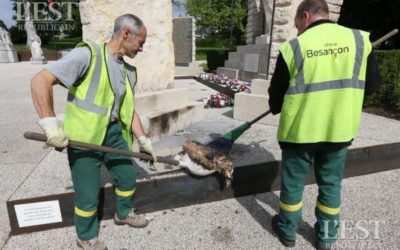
(100, 110)
(318, 87)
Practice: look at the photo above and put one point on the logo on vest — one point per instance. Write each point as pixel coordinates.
(334, 51)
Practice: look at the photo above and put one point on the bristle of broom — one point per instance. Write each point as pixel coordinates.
(221, 144)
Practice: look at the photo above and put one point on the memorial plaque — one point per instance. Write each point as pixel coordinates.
(39, 213)
(251, 62)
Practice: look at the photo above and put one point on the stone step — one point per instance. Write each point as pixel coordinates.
(248, 106)
(147, 102)
(237, 60)
(253, 48)
(171, 118)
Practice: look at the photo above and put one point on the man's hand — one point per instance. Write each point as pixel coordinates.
(55, 134)
(145, 146)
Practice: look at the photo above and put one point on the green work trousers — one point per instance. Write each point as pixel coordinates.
(328, 168)
(85, 170)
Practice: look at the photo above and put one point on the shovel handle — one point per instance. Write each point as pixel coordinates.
(75, 144)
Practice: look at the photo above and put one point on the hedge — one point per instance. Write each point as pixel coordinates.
(388, 95)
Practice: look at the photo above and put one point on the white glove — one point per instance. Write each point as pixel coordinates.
(55, 135)
(145, 146)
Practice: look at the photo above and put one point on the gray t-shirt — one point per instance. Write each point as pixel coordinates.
(69, 69)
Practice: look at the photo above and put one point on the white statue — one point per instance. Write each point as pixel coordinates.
(2, 35)
(33, 41)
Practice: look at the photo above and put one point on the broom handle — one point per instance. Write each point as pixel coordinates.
(75, 144)
(384, 38)
(258, 118)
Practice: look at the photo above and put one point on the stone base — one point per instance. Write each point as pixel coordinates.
(263, 39)
(38, 60)
(8, 54)
(260, 86)
(167, 111)
(231, 73)
(249, 106)
(190, 69)
(251, 61)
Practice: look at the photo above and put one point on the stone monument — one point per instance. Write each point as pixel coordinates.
(7, 52)
(163, 108)
(281, 30)
(269, 24)
(184, 39)
(251, 60)
(33, 40)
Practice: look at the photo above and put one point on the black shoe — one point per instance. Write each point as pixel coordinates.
(283, 240)
(323, 245)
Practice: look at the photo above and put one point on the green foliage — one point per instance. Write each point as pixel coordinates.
(17, 35)
(388, 95)
(216, 17)
(213, 42)
(3, 25)
(374, 16)
(216, 58)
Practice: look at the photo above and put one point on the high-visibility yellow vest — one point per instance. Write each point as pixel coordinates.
(327, 66)
(90, 103)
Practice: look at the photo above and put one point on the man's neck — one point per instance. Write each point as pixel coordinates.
(114, 48)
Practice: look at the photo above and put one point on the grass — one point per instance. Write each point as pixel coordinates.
(57, 44)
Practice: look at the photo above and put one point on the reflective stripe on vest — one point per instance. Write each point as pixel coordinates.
(354, 82)
(88, 102)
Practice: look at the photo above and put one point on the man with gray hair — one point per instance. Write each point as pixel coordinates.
(100, 110)
(318, 86)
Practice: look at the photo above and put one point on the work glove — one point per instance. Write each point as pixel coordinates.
(55, 135)
(145, 146)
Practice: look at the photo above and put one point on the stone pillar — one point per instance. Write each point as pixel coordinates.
(33, 40)
(283, 24)
(156, 63)
(162, 108)
(255, 19)
(184, 38)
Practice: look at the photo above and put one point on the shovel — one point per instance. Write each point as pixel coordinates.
(183, 162)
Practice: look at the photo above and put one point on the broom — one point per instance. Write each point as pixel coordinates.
(224, 143)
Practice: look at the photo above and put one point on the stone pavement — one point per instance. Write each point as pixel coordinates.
(241, 223)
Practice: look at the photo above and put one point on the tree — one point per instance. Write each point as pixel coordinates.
(3, 25)
(218, 17)
(376, 17)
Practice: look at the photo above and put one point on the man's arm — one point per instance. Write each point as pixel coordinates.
(145, 144)
(42, 96)
(137, 127)
(42, 93)
(279, 85)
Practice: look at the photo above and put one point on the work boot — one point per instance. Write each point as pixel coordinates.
(93, 244)
(133, 220)
(282, 239)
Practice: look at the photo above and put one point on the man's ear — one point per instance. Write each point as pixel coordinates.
(307, 17)
(125, 33)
